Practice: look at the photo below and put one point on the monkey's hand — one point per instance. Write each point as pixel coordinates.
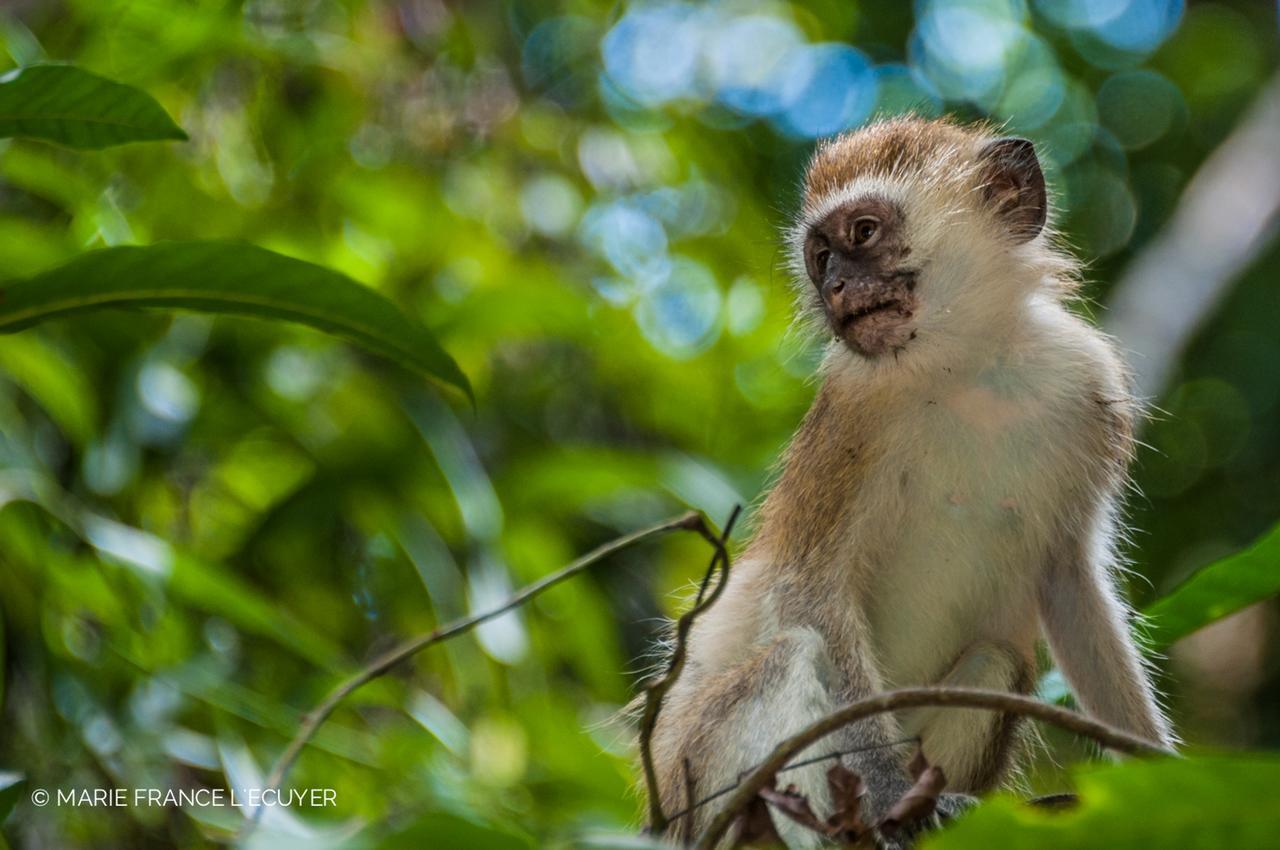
(949, 806)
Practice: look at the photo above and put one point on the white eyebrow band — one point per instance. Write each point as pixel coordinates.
(891, 191)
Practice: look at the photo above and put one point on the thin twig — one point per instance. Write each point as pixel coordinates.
(657, 690)
(311, 723)
(795, 765)
(750, 785)
(690, 801)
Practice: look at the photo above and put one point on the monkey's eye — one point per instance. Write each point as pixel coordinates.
(865, 230)
(820, 259)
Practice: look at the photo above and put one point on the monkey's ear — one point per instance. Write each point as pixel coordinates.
(1013, 185)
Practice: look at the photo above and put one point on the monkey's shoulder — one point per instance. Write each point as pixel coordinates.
(1080, 369)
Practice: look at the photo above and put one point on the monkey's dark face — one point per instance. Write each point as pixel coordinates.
(857, 260)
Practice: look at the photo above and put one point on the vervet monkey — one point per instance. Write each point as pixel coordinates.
(950, 497)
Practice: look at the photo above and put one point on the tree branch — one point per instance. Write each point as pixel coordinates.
(312, 722)
(794, 765)
(657, 690)
(750, 785)
(1226, 216)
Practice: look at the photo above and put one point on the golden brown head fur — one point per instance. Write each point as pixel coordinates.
(900, 147)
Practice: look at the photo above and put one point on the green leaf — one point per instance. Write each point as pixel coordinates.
(1211, 801)
(71, 106)
(54, 380)
(11, 785)
(201, 584)
(219, 591)
(207, 587)
(1216, 590)
(228, 277)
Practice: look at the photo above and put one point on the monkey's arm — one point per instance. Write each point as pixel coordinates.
(1087, 625)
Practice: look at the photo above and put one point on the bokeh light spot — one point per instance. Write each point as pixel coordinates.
(964, 47)
(166, 392)
(630, 239)
(680, 315)
(652, 53)
(747, 60)
(745, 306)
(550, 204)
(1138, 107)
(829, 88)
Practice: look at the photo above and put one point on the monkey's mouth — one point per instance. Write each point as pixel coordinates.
(878, 327)
(856, 316)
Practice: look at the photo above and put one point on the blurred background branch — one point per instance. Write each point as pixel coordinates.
(1224, 220)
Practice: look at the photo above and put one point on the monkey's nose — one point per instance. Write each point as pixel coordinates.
(836, 286)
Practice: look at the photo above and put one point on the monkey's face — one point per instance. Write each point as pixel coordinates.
(917, 236)
(857, 258)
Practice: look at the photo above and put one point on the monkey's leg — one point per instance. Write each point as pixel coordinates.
(729, 722)
(973, 746)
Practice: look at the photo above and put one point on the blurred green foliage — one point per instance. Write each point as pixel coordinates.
(205, 522)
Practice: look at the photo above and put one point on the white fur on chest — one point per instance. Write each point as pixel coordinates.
(979, 469)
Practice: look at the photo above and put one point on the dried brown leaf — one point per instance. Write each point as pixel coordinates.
(794, 805)
(920, 800)
(845, 824)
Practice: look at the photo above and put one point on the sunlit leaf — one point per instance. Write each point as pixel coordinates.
(71, 106)
(53, 380)
(1192, 802)
(209, 587)
(253, 475)
(205, 586)
(11, 785)
(228, 277)
(203, 681)
(218, 590)
(1217, 590)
